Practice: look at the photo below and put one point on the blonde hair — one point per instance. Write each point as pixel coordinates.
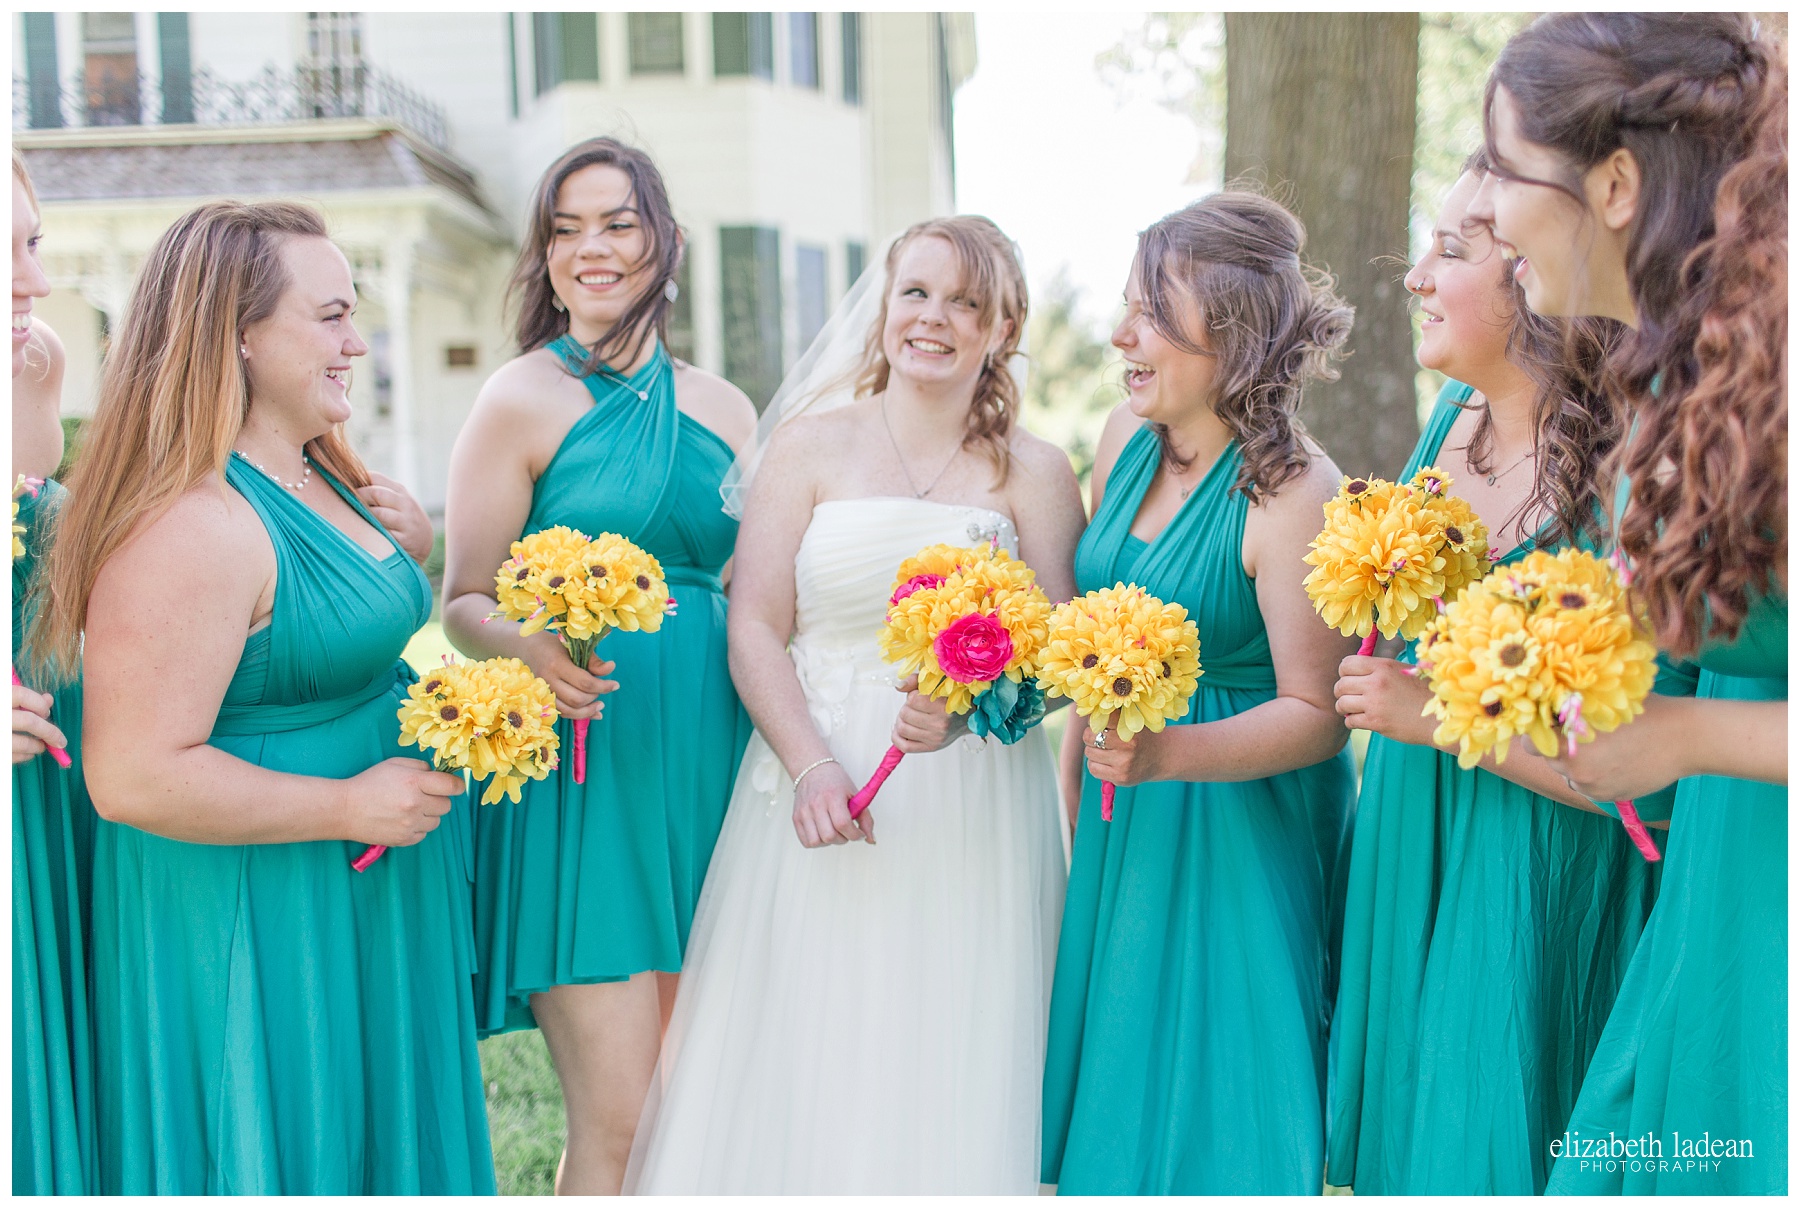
(994, 282)
(173, 396)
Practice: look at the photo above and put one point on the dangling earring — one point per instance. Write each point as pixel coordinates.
(671, 291)
(557, 303)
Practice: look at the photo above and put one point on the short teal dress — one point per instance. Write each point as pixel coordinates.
(1188, 1017)
(53, 1065)
(1486, 931)
(594, 882)
(1694, 1059)
(267, 1020)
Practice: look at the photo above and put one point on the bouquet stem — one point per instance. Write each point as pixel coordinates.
(866, 794)
(1634, 826)
(57, 753)
(580, 651)
(1106, 800)
(1368, 645)
(375, 851)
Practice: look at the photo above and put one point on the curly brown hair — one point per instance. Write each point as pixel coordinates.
(995, 283)
(1701, 103)
(1576, 422)
(1272, 322)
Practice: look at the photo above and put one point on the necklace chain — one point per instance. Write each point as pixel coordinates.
(1498, 475)
(292, 486)
(910, 484)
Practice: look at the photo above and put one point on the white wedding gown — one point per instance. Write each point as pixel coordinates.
(856, 1018)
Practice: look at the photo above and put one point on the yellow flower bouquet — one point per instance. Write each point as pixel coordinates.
(1547, 649)
(971, 621)
(29, 486)
(1390, 552)
(489, 719)
(1122, 651)
(581, 589)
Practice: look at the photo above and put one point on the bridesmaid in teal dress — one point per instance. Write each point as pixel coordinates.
(53, 1071)
(1486, 925)
(266, 1020)
(1191, 996)
(1679, 123)
(585, 892)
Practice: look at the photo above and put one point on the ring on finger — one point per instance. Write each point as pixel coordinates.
(1100, 740)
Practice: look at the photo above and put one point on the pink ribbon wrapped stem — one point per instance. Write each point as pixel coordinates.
(581, 729)
(1106, 800)
(57, 753)
(1368, 645)
(1634, 826)
(866, 794)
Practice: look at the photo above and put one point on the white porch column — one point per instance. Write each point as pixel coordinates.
(396, 291)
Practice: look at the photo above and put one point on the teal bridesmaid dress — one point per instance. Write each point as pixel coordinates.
(594, 882)
(1694, 1058)
(1486, 931)
(1188, 1017)
(269, 1021)
(53, 1064)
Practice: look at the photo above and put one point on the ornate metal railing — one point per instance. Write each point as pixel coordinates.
(310, 91)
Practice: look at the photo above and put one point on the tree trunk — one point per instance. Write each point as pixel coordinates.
(1321, 108)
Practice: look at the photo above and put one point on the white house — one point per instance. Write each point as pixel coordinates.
(791, 143)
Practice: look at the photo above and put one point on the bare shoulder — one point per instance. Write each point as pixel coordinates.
(1046, 467)
(520, 386)
(813, 439)
(1301, 498)
(725, 410)
(44, 357)
(209, 529)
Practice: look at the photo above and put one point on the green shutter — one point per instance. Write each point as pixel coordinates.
(852, 44)
(177, 68)
(43, 89)
(544, 61)
(580, 46)
(855, 256)
(750, 299)
(762, 45)
(731, 44)
(655, 43)
(681, 315)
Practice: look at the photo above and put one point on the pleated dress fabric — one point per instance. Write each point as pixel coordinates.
(53, 1062)
(1188, 1024)
(1694, 1058)
(268, 1020)
(860, 1019)
(594, 882)
(1486, 932)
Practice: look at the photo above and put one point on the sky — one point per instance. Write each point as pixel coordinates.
(1055, 156)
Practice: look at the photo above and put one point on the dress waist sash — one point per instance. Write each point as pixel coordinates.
(690, 576)
(241, 720)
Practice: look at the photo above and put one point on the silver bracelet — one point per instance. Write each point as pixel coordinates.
(809, 767)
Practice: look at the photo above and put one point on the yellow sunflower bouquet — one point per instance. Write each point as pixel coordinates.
(1122, 651)
(581, 589)
(1547, 649)
(1390, 552)
(972, 622)
(491, 719)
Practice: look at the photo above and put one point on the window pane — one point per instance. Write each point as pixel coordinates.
(109, 69)
(852, 42)
(750, 299)
(655, 43)
(744, 44)
(809, 275)
(803, 47)
(580, 46)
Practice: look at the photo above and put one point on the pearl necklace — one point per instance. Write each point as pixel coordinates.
(292, 486)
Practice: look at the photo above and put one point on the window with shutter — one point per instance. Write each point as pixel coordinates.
(803, 49)
(565, 46)
(655, 43)
(177, 64)
(855, 256)
(42, 89)
(852, 47)
(750, 302)
(109, 69)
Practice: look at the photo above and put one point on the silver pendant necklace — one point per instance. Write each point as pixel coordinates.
(292, 486)
(910, 485)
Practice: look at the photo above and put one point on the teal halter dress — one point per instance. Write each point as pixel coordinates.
(267, 1020)
(53, 1064)
(595, 882)
(1187, 1036)
(1486, 931)
(1694, 1057)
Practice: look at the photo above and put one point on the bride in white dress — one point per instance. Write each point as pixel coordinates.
(859, 1016)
